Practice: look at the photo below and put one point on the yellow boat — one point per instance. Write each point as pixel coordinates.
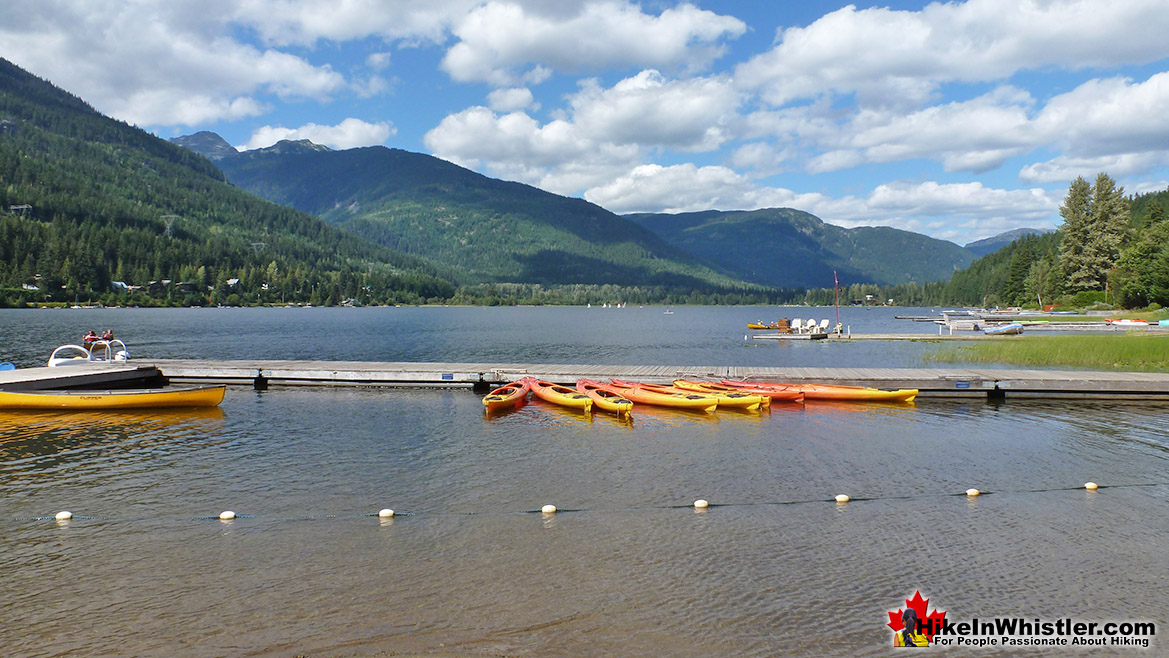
(605, 399)
(727, 396)
(198, 396)
(561, 395)
(649, 394)
(830, 391)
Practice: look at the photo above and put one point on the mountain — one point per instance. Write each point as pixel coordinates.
(208, 144)
(992, 244)
(782, 246)
(89, 205)
(485, 230)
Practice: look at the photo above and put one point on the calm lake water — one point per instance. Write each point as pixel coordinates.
(627, 568)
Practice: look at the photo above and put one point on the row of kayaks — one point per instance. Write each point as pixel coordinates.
(618, 396)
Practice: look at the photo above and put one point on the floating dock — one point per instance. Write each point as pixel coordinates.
(121, 375)
(991, 383)
(931, 382)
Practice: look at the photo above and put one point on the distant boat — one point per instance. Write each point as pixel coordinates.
(1011, 329)
(1127, 323)
(667, 311)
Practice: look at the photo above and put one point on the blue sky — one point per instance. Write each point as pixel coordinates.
(958, 120)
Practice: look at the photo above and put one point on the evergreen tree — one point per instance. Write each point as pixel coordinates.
(1109, 227)
(1076, 210)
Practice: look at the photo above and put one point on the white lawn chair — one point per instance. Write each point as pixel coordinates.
(797, 326)
(823, 326)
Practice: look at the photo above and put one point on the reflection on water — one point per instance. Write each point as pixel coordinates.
(633, 571)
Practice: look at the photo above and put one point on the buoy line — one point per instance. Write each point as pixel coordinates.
(548, 510)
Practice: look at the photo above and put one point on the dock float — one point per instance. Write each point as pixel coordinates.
(988, 383)
(106, 375)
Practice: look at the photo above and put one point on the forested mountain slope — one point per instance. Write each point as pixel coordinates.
(486, 230)
(782, 246)
(86, 201)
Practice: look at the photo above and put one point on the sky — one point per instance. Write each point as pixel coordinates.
(958, 120)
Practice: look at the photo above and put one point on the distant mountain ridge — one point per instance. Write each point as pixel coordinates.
(800, 249)
(486, 230)
(992, 244)
(498, 231)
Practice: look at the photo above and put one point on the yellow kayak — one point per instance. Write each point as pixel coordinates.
(727, 396)
(561, 395)
(199, 396)
(605, 399)
(646, 394)
(831, 391)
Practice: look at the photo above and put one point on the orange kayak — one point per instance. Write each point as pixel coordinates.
(646, 394)
(605, 399)
(830, 391)
(507, 396)
(557, 394)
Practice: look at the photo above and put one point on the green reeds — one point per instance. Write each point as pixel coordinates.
(1088, 351)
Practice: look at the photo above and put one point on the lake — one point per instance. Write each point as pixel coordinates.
(469, 567)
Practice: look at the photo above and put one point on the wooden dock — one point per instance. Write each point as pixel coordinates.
(989, 383)
(931, 382)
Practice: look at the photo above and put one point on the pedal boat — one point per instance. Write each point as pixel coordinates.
(99, 351)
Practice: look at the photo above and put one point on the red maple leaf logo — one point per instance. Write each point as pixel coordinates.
(929, 623)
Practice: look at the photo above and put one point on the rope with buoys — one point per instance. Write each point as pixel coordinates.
(65, 516)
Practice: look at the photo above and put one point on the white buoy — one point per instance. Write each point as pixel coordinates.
(386, 513)
(842, 498)
(1091, 486)
(701, 504)
(226, 516)
(548, 509)
(64, 516)
(972, 492)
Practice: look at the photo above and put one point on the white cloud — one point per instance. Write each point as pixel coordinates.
(1064, 169)
(1110, 116)
(686, 187)
(193, 75)
(303, 22)
(378, 61)
(500, 40)
(350, 133)
(510, 99)
(648, 109)
(899, 58)
(604, 133)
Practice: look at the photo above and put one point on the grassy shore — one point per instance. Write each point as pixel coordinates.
(1088, 351)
